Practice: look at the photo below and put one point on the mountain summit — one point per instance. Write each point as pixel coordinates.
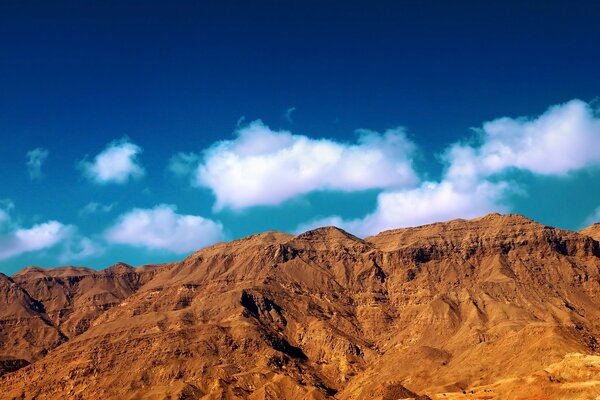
(497, 307)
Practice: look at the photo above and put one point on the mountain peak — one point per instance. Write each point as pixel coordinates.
(119, 267)
(326, 237)
(326, 232)
(514, 218)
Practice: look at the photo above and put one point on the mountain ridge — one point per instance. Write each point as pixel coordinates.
(323, 314)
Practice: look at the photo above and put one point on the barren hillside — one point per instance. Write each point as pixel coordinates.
(495, 307)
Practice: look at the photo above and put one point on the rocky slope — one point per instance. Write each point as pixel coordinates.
(592, 231)
(481, 305)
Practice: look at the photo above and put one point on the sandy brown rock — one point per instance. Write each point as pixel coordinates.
(26, 333)
(576, 376)
(592, 231)
(75, 296)
(443, 308)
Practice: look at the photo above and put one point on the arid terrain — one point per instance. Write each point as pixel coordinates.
(498, 307)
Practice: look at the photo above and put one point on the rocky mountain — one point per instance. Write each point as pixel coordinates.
(498, 307)
(592, 231)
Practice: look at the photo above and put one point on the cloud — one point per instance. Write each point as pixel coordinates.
(117, 163)
(35, 159)
(563, 139)
(16, 240)
(265, 167)
(431, 202)
(161, 228)
(38, 237)
(79, 247)
(287, 115)
(96, 208)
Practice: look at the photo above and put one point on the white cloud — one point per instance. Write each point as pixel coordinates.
(35, 159)
(431, 202)
(161, 228)
(96, 208)
(38, 237)
(265, 167)
(117, 163)
(563, 139)
(16, 240)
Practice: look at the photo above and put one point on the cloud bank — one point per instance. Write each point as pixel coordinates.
(265, 167)
(161, 228)
(117, 163)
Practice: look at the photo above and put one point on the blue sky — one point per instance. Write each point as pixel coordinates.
(139, 132)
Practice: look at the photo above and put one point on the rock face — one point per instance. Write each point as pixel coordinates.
(481, 305)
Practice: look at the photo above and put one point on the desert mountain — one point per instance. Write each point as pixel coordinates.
(592, 231)
(498, 307)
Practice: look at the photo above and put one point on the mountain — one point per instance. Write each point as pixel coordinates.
(75, 296)
(592, 231)
(498, 307)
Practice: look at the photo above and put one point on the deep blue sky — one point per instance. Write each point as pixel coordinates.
(177, 76)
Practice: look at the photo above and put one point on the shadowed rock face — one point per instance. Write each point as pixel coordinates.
(443, 308)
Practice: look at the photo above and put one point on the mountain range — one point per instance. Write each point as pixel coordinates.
(497, 307)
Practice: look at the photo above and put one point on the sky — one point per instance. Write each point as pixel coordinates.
(142, 131)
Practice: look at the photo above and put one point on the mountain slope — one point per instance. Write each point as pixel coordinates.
(592, 231)
(75, 296)
(440, 308)
(26, 333)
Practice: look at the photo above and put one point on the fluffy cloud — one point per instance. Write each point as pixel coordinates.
(563, 139)
(117, 163)
(38, 237)
(35, 159)
(431, 202)
(265, 167)
(16, 240)
(161, 228)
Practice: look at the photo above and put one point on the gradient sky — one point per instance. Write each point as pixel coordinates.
(141, 131)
